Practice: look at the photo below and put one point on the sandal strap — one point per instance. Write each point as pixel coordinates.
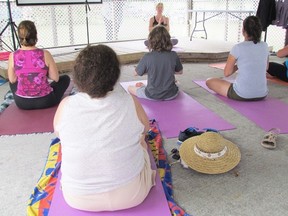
(275, 131)
(270, 137)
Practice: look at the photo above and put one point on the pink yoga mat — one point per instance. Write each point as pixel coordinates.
(155, 204)
(4, 56)
(16, 121)
(180, 113)
(266, 114)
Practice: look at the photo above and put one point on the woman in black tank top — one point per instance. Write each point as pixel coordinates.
(155, 23)
(158, 20)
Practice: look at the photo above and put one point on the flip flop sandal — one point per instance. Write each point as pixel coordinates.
(269, 140)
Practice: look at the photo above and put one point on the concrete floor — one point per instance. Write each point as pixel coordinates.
(257, 186)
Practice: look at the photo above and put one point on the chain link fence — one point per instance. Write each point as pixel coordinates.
(65, 25)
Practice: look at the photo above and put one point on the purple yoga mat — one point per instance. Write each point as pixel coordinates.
(154, 204)
(16, 121)
(266, 114)
(180, 113)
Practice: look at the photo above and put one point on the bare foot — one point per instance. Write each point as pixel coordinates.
(139, 84)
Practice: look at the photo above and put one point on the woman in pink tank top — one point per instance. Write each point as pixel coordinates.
(29, 69)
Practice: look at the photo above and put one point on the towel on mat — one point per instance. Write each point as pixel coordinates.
(8, 99)
(42, 196)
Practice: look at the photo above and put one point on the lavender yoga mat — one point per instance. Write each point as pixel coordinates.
(154, 204)
(180, 113)
(16, 121)
(266, 114)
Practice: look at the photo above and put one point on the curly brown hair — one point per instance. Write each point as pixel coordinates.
(27, 33)
(96, 70)
(159, 39)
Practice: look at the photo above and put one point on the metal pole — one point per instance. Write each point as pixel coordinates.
(70, 20)
(226, 21)
(240, 22)
(11, 25)
(189, 16)
(87, 7)
(54, 26)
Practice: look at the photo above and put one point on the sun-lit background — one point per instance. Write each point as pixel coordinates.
(65, 25)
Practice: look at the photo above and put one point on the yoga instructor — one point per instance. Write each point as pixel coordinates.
(160, 20)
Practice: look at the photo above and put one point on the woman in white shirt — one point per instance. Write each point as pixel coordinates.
(105, 164)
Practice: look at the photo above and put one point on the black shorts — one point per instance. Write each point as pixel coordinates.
(234, 96)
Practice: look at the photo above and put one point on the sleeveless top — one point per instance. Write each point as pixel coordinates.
(156, 23)
(100, 140)
(31, 72)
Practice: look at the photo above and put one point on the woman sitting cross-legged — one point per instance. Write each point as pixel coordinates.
(161, 65)
(251, 57)
(105, 163)
(29, 69)
(279, 70)
(160, 20)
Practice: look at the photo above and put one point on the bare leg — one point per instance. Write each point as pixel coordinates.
(218, 85)
(143, 142)
(141, 114)
(269, 76)
(133, 89)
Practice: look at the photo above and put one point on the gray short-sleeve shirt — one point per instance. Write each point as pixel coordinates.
(160, 68)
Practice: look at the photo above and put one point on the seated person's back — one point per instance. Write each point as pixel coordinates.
(29, 69)
(160, 68)
(105, 164)
(100, 142)
(251, 58)
(161, 65)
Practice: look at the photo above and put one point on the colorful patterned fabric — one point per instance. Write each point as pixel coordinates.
(164, 168)
(8, 99)
(31, 72)
(41, 198)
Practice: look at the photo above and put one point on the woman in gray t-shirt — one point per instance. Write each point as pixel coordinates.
(161, 65)
(250, 58)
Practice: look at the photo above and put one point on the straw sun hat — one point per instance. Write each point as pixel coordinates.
(210, 153)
